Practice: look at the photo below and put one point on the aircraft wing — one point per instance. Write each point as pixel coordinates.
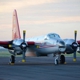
(78, 42)
(8, 44)
(4, 44)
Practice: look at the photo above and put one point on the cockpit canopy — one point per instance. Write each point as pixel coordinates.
(53, 35)
(44, 37)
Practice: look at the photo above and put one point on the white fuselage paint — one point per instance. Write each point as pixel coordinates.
(48, 44)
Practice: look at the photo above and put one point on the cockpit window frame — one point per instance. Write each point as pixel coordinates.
(54, 36)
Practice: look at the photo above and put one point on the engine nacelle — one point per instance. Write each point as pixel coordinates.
(17, 42)
(78, 50)
(17, 46)
(71, 46)
(17, 52)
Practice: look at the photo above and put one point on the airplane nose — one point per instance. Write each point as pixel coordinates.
(62, 46)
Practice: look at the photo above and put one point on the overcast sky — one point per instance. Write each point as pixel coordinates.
(40, 17)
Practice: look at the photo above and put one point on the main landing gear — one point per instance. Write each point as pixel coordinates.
(56, 59)
(12, 59)
(62, 59)
(59, 59)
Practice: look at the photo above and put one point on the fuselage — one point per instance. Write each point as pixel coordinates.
(49, 43)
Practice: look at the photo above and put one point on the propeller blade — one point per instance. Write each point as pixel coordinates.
(23, 60)
(24, 34)
(75, 37)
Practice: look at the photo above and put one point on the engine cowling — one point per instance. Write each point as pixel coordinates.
(17, 46)
(71, 46)
(17, 52)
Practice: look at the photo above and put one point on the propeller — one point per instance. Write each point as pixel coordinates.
(24, 46)
(75, 37)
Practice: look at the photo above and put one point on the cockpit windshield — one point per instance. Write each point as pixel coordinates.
(54, 36)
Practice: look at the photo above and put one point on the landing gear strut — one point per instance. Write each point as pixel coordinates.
(12, 59)
(56, 60)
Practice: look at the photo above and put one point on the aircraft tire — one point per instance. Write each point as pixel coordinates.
(57, 62)
(62, 59)
(12, 59)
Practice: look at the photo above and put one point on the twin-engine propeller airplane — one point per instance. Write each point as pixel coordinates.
(40, 46)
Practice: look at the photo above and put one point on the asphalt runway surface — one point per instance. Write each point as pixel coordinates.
(39, 68)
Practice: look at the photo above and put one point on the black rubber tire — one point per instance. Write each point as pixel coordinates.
(12, 59)
(62, 59)
(57, 62)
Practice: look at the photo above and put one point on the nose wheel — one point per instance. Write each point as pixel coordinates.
(12, 59)
(59, 59)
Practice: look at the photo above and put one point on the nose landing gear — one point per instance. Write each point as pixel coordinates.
(59, 59)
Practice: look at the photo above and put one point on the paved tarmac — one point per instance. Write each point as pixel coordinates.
(39, 68)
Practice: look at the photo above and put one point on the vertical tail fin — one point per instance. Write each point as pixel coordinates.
(15, 27)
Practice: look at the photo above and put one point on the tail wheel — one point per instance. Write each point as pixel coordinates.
(12, 59)
(62, 59)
